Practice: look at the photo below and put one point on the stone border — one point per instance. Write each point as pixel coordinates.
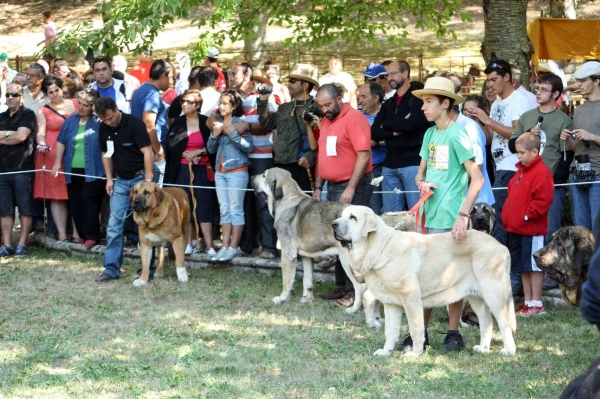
(194, 261)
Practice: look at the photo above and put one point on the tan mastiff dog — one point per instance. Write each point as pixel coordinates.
(410, 271)
(163, 217)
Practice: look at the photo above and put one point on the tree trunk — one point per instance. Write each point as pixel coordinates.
(256, 41)
(506, 33)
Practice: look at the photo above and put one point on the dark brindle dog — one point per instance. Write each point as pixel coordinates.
(566, 259)
(482, 218)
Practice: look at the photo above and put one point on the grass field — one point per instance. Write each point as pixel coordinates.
(219, 336)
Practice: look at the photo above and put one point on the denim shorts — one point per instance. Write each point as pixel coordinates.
(16, 190)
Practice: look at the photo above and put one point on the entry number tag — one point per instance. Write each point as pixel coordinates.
(442, 156)
(331, 144)
(110, 149)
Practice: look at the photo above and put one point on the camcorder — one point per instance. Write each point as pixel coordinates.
(265, 89)
(311, 112)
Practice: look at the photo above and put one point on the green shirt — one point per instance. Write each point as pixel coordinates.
(445, 153)
(79, 154)
(554, 122)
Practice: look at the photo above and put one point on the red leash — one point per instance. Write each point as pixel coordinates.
(420, 216)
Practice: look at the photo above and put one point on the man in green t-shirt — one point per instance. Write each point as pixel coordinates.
(447, 163)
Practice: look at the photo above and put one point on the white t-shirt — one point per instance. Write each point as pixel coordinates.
(389, 95)
(210, 101)
(342, 77)
(529, 96)
(505, 112)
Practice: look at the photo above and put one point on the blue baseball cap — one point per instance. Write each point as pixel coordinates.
(374, 70)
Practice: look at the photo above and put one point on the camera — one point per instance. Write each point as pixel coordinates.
(310, 114)
(265, 89)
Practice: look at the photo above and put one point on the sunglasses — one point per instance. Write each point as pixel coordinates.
(495, 65)
(191, 102)
(15, 95)
(292, 80)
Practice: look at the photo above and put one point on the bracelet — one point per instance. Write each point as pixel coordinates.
(318, 188)
(419, 182)
(463, 214)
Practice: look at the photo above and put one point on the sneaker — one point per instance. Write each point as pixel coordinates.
(521, 309)
(89, 244)
(21, 251)
(5, 251)
(188, 249)
(535, 311)
(337, 293)
(211, 251)
(219, 254)
(346, 301)
(229, 254)
(407, 344)
(453, 343)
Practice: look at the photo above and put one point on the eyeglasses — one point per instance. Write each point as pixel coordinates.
(368, 79)
(543, 90)
(395, 72)
(495, 65)
(15, 95)
(188, 101)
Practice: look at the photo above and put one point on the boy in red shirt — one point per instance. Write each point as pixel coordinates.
(525, 217)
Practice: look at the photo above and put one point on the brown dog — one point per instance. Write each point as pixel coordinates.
(565, 260)
(163, 217)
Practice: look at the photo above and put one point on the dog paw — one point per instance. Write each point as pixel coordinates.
(278, 300)
(507, 352)
(158, 275)
(182, 275)
(307, 299)
(412, 354)
(382, 352)
(352, 310)
(374, 324)
(481, 349)
(138, 282)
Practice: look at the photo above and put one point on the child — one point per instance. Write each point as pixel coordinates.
(231, 177)
(525, 217)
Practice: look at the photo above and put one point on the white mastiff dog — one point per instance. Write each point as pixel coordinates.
(411, 271)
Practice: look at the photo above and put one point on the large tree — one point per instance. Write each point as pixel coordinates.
(132, 25)
(506, 32)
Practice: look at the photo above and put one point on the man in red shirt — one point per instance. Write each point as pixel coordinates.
(344, 161)
(211, 61)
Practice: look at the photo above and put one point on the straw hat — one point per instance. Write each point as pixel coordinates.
(441, 87)
(307, 72)
(260, 77)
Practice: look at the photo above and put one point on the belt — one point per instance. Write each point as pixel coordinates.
(366, 176)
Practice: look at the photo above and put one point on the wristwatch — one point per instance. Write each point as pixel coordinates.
(7, 133)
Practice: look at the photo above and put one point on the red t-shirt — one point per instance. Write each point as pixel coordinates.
(141, 71)
(195, 142)
(221, 82)
(353, 134)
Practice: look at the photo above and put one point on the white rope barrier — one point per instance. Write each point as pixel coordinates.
(395, 191)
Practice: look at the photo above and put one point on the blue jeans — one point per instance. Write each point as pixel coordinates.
(555, 214)
(501, 180)
(231, 202)
(585, 204)
(403, 179)
(159, 172)
(119, 207)
(376, 202)
(362, 196)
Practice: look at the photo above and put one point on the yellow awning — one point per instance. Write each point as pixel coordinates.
(560, 38)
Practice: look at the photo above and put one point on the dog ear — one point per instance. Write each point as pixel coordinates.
(132, 195)
(492, 219)
(583, 248)
(371, 223)
(160, 195)
(276, 190)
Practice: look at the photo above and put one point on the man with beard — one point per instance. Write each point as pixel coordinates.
(344, 160)
(402, 125)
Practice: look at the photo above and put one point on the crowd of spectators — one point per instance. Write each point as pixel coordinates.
(63, 121)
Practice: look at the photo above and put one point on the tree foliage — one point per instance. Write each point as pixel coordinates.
(132, 25)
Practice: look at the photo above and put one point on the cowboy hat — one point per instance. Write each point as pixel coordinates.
(307, 72)
(441, 87)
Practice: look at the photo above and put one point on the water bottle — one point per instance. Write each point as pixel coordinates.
(542, 134)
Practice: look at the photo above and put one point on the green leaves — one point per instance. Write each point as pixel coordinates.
(132, 25)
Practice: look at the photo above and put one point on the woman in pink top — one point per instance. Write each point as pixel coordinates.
(186, 144)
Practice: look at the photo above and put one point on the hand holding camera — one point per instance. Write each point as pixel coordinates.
(43, 148)
(312, 114)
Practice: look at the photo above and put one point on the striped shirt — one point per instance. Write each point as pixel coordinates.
(263, 141)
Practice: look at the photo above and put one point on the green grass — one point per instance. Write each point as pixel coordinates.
(219, 336)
